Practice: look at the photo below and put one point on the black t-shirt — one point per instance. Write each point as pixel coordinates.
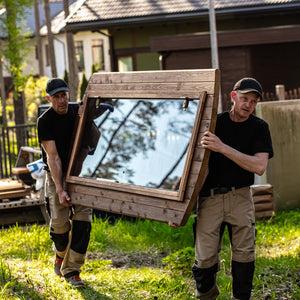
(249, 137)
(53, 126)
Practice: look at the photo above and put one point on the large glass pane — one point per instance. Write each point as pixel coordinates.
(143, 142)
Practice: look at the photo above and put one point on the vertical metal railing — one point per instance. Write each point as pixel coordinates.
(11, 139)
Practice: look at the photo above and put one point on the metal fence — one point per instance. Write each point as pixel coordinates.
(11, 140)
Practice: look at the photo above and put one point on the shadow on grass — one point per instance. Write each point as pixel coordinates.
(29, 290)
(89, 293)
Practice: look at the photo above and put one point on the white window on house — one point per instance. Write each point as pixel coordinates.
(125, 63)
(98, 54)
(47, 55)
(79, 55)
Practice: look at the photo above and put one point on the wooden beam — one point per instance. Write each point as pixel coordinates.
(258, 36)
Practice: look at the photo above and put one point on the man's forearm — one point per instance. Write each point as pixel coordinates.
(253, 163)
(56, 173)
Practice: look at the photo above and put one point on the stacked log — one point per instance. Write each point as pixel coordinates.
(263, 200)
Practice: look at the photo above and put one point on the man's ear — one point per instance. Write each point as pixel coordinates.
(48, 98)
(233, 94)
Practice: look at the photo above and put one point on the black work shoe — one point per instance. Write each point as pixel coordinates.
(57, 265)
(76, 281)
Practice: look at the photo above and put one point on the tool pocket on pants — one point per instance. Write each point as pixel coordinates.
(47, 206)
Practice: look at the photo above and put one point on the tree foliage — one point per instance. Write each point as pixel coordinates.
(66, 77)
(16, 47)
(83, 85)
(35, 94)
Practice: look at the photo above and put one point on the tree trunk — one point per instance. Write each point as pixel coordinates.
(50, 39)
(20, 118)
(73, 68)
(38, 38)
(2, 95)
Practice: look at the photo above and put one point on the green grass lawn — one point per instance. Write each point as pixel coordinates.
(145, 260)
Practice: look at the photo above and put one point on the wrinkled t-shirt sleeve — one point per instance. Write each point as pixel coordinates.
(45, 132)
(263, 141)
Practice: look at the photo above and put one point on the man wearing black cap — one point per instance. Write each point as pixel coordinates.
(240, 148)
(55, 129)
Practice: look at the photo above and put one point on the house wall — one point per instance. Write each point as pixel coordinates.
(276, 64)
(283, 170)
(234, 63)
(60, 48)
(272, 61)
(135, 42)
(87, 37)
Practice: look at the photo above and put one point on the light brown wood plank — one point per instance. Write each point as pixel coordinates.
(82, 113)
(124, 197)
(149, 91)
(140, 190)
(127, 208)
(262, 189)
(153, 76)
(264, 206)
(263, 198)
(264, 214)
(8, 185)
(199, 153)
(196, 166)
(192, 143)
(15, 193)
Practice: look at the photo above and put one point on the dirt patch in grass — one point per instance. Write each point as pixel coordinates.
(126, 260)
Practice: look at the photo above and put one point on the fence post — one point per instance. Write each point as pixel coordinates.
(280, 90)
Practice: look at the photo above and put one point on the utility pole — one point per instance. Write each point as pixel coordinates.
(214, 43)
(38, 38)
(73, 69)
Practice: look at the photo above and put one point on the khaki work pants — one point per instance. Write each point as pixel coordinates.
(235, 208)
(60, 223)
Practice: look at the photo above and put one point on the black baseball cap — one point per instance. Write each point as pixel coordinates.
(55, 85)
(248, 85)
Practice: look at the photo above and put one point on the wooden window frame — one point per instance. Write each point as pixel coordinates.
(145, 202)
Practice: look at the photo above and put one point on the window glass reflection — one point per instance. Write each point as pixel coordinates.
(142, 142)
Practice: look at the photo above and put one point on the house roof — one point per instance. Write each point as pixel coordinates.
(55, 8)
(109, 12)
(58, 22)
(56, 14)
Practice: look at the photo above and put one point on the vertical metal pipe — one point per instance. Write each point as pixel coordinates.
(213, 35)
(214, 43)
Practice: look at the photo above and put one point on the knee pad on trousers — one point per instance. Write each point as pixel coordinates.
(205, 278)
(242, 277)
(60, 240)
(80, 236)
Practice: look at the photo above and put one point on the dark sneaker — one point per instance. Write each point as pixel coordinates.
(211, 294)
(57, 265)
(76, 281)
